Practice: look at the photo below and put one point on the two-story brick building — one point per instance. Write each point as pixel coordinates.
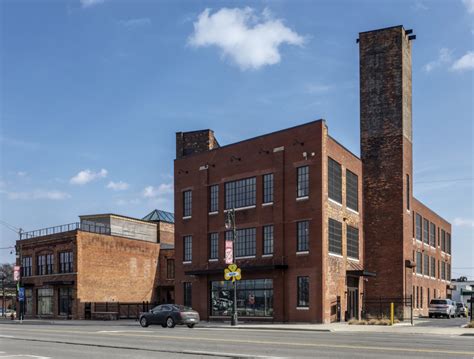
(319, 229)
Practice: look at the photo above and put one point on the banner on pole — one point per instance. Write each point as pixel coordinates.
(229, 258)
(16, 273)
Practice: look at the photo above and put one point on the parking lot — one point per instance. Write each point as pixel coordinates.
(441, 322)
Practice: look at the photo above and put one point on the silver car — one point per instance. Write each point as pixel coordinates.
(442, 308)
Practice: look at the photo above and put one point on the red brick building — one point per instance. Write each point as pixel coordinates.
(315, 222)
(104, 258)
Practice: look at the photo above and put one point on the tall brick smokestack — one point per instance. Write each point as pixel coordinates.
(386, 152)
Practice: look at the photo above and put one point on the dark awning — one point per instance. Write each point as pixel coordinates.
(244, 268)
(360, 273)
(59, 282)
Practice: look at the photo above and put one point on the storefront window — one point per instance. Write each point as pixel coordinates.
(45, 301)
(28, 301)
(254, 298)
(65, 301)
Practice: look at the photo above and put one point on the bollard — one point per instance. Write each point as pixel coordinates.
(391, 313)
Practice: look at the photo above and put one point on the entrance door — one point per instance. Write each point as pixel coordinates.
(353, 303)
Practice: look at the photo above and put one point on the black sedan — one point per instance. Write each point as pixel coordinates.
(168, 315)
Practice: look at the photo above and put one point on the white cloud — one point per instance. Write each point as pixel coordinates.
(87, 176)
(89, 3)
(249, 40)
(161, 190)
(464, 63)
(143, 21)
(444, 56)
(464, 222)
(39, 194)
(469, 4)
(317, 88)
(21, 173)
(118, 186)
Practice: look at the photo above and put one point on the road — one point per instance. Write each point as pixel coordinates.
(109, 341)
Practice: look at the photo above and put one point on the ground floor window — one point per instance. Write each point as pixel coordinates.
(187, 291)
(45, 301)
(303, 292)
(28, 301)
(65, 301)
(254, 298)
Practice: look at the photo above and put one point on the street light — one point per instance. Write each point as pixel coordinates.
(230, 224)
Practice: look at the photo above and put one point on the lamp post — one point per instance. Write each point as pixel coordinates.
(230, 224)
(19, 260)
(3, 297)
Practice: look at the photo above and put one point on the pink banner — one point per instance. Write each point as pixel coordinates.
(229, 259)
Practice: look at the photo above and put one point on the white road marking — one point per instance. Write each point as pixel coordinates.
(24, 356)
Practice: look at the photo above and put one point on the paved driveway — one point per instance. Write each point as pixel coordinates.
(441, 322)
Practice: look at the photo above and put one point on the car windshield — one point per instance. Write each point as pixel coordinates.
(439, 301)
(182, 308)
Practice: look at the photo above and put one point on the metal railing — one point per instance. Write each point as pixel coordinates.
(85, 226)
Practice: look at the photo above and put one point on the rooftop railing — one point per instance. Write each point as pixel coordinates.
(84, 226)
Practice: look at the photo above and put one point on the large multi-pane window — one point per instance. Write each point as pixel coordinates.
(443, 240)
(213, 245)
(170, 268)
(188, 248)
(188, 294)
(187, 203)
(334, 180)
(303, 292)
(433, 267)
(245, 245)
(302, 235)
(448, 243)
(352, 193)
(214, 198)
(254, 298)
(426, 264)
(335, 236)
(302, 189)
(65, 262)
(448, 271)
(65, 301)
(28, 301)
(443, 270)
(44, 301)
(419, 268)
(241, 193)
(26, 266)
(432, 235)
(352, 242)
(426, 231)
(44, 264)
(49, 263)
(418, 221)
(267, 239)
(268, 188)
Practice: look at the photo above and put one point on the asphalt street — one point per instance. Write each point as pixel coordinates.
(108, 341)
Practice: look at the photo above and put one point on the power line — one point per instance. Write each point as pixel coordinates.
(11, 227)
(447, 180)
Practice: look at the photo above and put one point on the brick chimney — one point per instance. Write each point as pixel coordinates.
(188, 143)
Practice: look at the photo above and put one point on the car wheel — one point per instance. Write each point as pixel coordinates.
(191, 326)
(170, 322)
(144, 322)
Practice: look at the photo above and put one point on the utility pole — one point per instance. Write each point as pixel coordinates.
(3, 297)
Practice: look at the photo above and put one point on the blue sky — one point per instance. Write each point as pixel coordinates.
(92, 93)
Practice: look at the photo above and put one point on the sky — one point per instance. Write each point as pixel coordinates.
(93, 91)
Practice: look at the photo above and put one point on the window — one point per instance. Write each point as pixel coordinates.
(433, 267)
(28, 301)
(302, 235)
(268, 188)
(335, 236)
(65, 262)
(303, 292)
(419, 268)
(334, 181)
(352, 193)
(426, 231)
(432, 235)
(254, 298)
(188, 248)
(268, 240)
(214, 198)
(417, 297)
(448, 271)
(418, 227)
(428, 296)
(421, 297)
(214, 246)
(49, 263)
(65, 301)
(187, 203)
(352, 242)
(408, 191)
(443, 270)
(45, 301)
(44, 264)
(26, 266)
(302, 189)
(245, 245)
(170, 269)
(241, 193)
(443, 240)
(426, 265)
(448, 243)
(187, 294)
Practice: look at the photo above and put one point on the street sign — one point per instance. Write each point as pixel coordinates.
(21, 294)
(16, 273)
(232, 272)
(229, 258)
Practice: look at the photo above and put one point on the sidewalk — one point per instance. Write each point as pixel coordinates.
(401, 328)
